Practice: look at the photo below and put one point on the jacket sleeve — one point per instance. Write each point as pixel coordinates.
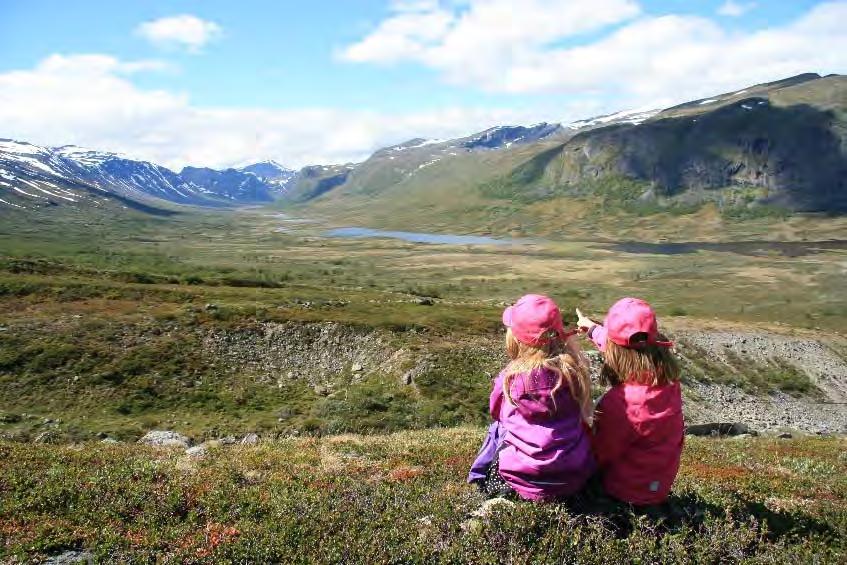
(613, 432)
(496, 399)
(597, 334)
(486, 453)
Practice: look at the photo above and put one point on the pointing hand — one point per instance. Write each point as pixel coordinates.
(583, 322)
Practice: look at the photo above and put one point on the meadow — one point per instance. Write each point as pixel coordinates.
(110, 329)
(114, 328)
(402, 498)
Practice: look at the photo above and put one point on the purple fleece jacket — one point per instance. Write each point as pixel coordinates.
(546, 451)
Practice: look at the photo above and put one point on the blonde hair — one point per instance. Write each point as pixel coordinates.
(563, 357)
(651, 365)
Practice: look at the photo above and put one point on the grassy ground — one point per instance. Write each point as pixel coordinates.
(102, 323)
(102, 327)
(401, 498)
(243, 250)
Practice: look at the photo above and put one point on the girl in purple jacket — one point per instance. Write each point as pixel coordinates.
(538, 445)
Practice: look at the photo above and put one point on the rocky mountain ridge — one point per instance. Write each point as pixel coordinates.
(32, 176)
(779, 145)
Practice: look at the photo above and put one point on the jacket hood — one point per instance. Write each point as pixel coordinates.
(650, 406)
(534, 398)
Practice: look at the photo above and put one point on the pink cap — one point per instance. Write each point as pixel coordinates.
(531, 317)
(630, 316)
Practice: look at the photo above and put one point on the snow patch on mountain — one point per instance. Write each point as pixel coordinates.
(634, 116)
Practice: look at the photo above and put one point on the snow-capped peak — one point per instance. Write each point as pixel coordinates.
(633, 116)
(85, 157)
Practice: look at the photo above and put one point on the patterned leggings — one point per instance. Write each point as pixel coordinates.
(493, 485)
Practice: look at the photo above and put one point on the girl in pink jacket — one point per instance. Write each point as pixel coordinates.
(538, 445)
(638, 425)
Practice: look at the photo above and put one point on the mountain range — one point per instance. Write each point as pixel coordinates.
(32, 176)
(776, 145)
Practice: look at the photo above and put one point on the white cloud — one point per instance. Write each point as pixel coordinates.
(473, 40)
(510, 46)
(93, 101)
(734, 9)
(90, 100)
(185, 30)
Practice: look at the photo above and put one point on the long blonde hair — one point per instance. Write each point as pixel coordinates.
(651, 365)
(563, 357)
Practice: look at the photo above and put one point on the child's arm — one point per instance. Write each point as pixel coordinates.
(486, 453)
(496, 399)
(596, 332)
(613, 432)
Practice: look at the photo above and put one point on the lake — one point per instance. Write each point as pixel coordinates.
(421, 237)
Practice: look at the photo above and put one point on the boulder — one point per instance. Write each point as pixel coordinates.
(719, 429)
(45, 437)
(198, 451)
(250, 439)
(70, 557)
(165, 438)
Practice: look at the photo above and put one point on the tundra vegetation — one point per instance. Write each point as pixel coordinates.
(115, 328)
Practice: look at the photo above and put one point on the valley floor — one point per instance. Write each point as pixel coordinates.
(211, 323)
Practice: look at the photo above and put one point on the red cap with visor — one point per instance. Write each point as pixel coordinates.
(535, 319)
(630, 316)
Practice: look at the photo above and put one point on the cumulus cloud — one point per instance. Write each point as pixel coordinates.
(185, 31)
(514, 46)
(475, 39)
(91, 101)
(734, 9)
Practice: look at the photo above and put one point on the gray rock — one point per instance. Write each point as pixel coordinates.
(228, 440)
(250, 439)
(70, 557)
(357, 367)
(408, 377)
(424, 301)
(198, 451)
(164, 438)
(109, 440)
(45, 437)
(719, 429)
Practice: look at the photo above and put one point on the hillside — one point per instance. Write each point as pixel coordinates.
(402, 498)
(767, 150)
(783, 145)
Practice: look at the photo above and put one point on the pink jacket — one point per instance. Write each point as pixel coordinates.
(546, 448)
(638, 437)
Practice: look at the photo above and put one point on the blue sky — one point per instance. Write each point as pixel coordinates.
(373, 71)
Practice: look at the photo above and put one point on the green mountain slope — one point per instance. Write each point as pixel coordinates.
(784, 146)
(775, 148)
